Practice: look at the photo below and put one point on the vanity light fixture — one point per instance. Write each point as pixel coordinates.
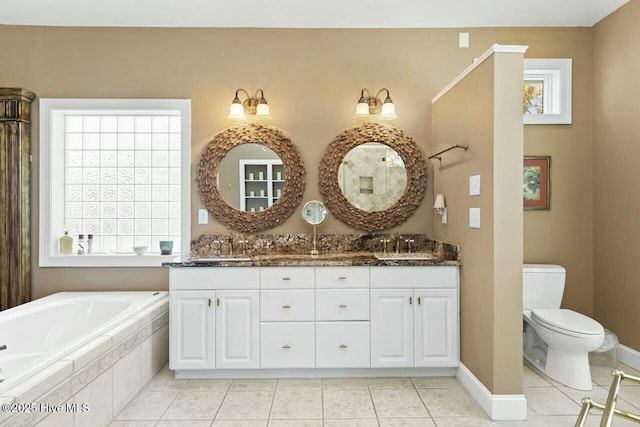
(440, 207)
(254, 105)
(368, 105)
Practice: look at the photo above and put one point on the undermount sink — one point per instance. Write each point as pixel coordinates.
(221, 259)
(414, 256)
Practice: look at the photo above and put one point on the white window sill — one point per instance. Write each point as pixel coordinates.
(105, 260)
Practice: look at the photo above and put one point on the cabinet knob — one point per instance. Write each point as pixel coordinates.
(286, 346)
(343, 306)
(343, 346)
(342, 278)
(286, 278)
(286, 306)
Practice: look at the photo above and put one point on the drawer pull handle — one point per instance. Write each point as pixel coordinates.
(209, 302)
(286, 346)
(343, 306)
(410, 300)
(218, 302)
(286, 278)
(419, 300)
(342, 278)
(343, 346)
(286, 306)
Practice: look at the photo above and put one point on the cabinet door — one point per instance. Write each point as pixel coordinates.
(237, 329)
(436, 327)
(192, 320)
(391, 327)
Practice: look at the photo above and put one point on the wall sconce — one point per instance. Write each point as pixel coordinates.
(440, 207)
(368, 105)
(253, 105)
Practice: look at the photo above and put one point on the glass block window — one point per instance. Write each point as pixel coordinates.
(122, 180)
(117, 173)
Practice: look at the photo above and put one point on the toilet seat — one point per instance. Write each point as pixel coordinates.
(567, 322)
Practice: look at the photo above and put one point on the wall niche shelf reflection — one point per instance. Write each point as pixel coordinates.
(261, 183)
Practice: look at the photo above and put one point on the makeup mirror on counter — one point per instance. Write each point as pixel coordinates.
(251, 177)
(349, 177)
(372, 176)
(314, 213)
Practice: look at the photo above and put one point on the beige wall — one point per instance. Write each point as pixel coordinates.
(312, 79)
(616, 124)
(491, 334)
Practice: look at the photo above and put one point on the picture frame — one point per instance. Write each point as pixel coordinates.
(536, 182)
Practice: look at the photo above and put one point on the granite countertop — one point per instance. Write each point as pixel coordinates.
(289, 250)
(326, 259)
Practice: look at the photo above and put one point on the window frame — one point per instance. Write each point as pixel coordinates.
(47, 242)
(557, 73)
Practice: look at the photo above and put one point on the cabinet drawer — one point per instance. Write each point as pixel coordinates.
(342, 345)
(286, 277)
(215, 278)
(286, 345)
(414, 277)
(286, 306)
(342, 304)
(342, 277)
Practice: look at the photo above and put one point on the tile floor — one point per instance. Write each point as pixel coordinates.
(357, 402)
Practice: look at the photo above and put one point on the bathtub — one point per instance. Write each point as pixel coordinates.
(44, 331)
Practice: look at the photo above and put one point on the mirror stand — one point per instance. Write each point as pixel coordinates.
(314, 250)
(314, 213)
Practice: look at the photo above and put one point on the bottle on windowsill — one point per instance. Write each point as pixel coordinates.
(66, 244)
(81, 244)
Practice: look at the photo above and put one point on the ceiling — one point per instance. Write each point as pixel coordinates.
(308, 14)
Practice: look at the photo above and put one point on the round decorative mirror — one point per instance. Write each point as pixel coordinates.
(372, 177)
(251, 177)
(314, 213)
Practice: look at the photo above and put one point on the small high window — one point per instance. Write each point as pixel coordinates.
(547, 91)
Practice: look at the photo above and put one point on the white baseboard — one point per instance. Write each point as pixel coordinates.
(628, 356)
(497, 406)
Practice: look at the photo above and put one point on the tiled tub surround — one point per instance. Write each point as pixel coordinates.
(330, 246)
(105, 373)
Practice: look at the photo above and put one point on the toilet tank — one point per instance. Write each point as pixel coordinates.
(542, 286)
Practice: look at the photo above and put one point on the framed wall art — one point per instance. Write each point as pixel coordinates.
(536, 182)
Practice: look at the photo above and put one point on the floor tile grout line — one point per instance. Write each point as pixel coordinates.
(222, 402)
(273, 398)
(373, 404)
(425, 405)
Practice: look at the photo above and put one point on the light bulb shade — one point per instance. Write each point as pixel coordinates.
(262, 112)
(439, 203)
(388, 111)
(236, 111)
(362, 110)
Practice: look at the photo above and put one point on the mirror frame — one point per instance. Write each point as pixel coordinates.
(294, 172)
(404, 207)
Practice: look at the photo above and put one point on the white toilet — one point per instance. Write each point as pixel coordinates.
(556, 341)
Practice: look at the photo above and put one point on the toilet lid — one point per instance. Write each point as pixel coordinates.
(567, 320)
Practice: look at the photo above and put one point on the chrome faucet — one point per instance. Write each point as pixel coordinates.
(384, 244)
(398, 238)
(243, 246)
(230, 245)
(409, 242)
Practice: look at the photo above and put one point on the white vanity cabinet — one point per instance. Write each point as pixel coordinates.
(414, 317)
(228, 319)
(192, 323)
(237, 329)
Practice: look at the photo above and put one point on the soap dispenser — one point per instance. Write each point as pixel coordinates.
(66, 244)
